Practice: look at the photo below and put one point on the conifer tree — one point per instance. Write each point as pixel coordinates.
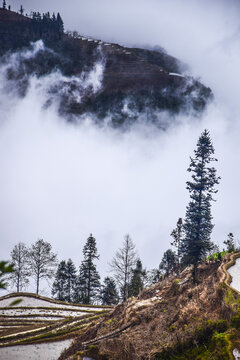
(137, 280)
(89, 279)
(60, 24)
(109, 294)
(4, 4)
(198, 221)
(70, 280)
(21, 10)
(59, 284)
(19, 258)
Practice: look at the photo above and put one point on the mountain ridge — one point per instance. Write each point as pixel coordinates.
(135, 81)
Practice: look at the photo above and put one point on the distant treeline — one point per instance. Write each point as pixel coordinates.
(47, 23)
(17, 31)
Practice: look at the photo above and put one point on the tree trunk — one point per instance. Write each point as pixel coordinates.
(37, 284)
(18, 281)
(69, 290)
(88, 286)
(195, 273)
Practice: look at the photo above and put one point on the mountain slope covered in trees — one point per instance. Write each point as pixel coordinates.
(132, 82)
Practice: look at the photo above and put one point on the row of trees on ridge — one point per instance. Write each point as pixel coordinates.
(191, 238)
(40, 262)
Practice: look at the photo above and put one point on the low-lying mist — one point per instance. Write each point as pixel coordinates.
(62, 181)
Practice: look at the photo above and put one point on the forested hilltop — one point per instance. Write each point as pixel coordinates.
(134, 82)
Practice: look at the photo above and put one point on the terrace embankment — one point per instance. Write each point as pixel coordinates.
(29, 319)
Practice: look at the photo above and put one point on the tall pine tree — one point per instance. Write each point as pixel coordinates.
(137, 280)
(198, 221)
(60, 25)
(109, 294)
(71, 278)
(89, 279)
(59, 284)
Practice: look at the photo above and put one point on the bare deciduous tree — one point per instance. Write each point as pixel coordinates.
(21, 273)
(122, 264)
(42, 261)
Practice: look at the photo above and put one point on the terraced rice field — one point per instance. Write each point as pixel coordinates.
(37, 320)
(49, 351)
(234, 271)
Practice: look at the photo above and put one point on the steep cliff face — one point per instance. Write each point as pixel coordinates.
(133, 82)
(172, 320)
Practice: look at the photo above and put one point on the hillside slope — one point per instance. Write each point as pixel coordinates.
(133, 81)
(172, 320)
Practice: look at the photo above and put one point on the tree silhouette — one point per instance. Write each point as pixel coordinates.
(230, 242)
(59, 284)
(71, 277)
(42, 261)
(21, 10)
(169, 262)
(109, 295)
(60, 24)
(198, 221)
(122, 265)
(20, 260)
(88, 286)
(136, 283)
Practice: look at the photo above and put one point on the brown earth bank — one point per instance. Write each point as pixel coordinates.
(174, 319)
(135, 81)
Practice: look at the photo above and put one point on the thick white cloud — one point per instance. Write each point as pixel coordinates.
(61, 181)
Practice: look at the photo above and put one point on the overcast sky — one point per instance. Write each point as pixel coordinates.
(61, 182)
